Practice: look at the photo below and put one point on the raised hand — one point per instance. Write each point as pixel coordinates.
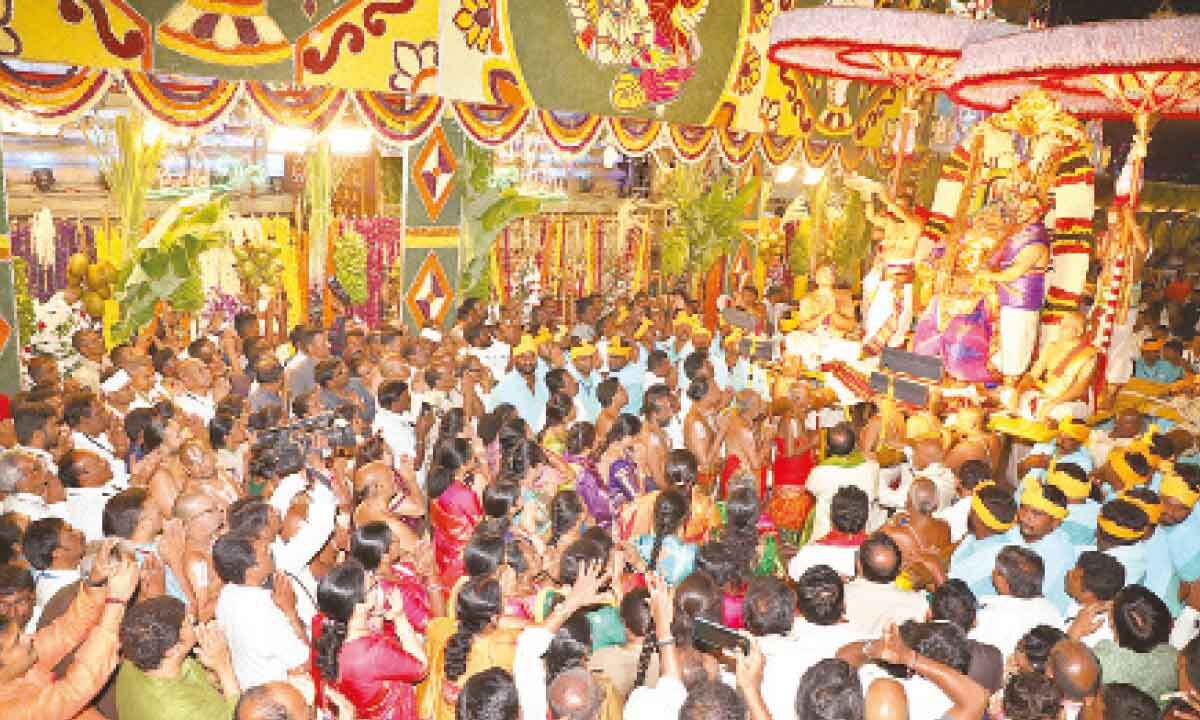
(104, 564)
(212, 649)
(749, 668)
(282, 592)
(1089, 620)
(152, 577)
(124, 580)
(662, 607)
(890, 648)
(586, 590)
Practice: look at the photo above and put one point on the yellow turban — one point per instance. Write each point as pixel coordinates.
(543, 336)
(698, 328)
(1072, 488)
(789, 323)
(1174, 486)
(1153, 510)
(682, 318)
(616, 349)
(734, 337)
(984, 514)
(528, 345)
(1118, 460)
(1153, 344)
(1120, 532)
(1034, 496)
(642, 329)
(584, 350)
(1074, 429)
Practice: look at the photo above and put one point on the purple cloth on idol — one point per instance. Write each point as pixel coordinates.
(1027, 292)
(963, 346)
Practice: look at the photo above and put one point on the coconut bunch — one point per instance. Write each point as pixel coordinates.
(258, 264)
(93, 281)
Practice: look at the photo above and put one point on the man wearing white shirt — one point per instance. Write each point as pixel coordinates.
(839, 548)
(265, 634)
(842, 467)
(27, 487)
(394, 421)
(1095, 579)
(872, 599)
(793, 646)
(89, 424)
(39, 433)
(493, 353)
(54, 548)
(293, 554)
(1019, 607)
(89, 483)
(970, 475)
(197, 399)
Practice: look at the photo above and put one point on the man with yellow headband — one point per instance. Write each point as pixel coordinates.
(1120, 531)
(1153, 367)
(993, 514)
(624, 366)
(1172, 552)
(731, 371)
(1040, 514)
(1069, 446)
(582, 367)
(1082, 510)
(522, 388)
(1124, 470)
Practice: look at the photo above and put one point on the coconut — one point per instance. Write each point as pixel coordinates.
(77, 266)
(93, 303)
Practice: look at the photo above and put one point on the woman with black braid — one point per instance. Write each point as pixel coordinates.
(374, 671)
(663, 551)
(633, 663)
(470, 643)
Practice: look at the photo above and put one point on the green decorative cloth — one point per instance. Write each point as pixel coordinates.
(854, 459)
(187, 697)
(769, 563)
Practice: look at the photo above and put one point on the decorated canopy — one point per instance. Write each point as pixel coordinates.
(1099, 70)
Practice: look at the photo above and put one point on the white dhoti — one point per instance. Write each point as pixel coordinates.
(883, 308)
(1018, 337)
(1030, 403)
(821, 346)
(1123, 350)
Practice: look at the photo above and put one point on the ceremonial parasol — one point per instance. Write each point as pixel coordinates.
(913, 51)
(1139, 69)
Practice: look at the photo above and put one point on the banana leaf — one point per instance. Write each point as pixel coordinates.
(166, 264)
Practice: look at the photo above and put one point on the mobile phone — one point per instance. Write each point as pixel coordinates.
(711, 637)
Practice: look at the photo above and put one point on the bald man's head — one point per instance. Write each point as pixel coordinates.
(272, 701)
(575, 695)
(373, 477)
(886, 700)
(922, 497)
(1075, 670)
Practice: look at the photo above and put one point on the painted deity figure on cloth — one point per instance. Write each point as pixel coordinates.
(654, 42)
(888, 288)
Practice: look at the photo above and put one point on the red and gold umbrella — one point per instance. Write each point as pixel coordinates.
(913, 51)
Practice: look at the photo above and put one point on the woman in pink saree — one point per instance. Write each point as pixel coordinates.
(454, 507)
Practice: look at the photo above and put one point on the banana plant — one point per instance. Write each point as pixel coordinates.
(705, 223)
(487, 209)
(165, 264)
(129, 173)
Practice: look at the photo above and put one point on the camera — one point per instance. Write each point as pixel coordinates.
(332, 426)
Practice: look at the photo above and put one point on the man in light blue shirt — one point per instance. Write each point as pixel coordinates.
(1153, 367)
(1120, 530)
(1082, 511)
(993, 514)
(1069, 446)
(521, 387)
(1040, 516)
(730, 370)
(1172, 552)
(623, 365)
(583, 369)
